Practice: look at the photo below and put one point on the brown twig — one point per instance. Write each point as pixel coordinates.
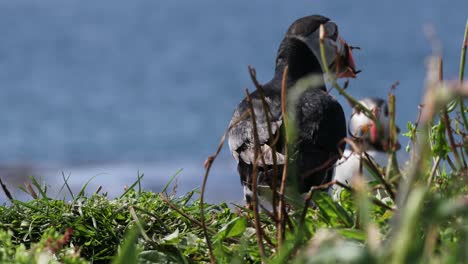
(381, 179)
(31, 191)
(461, 76)
(281, 211)
(309, 198)
(267, 239)
(208, 163)
(272, 140)
(392, 166)
(433, 171)
(326, 165)
(451, 164)
(254, 177)
(6, 191)
(175, 208)
(446, 120)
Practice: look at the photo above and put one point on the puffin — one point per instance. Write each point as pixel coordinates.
(319, 118)
(364, 131)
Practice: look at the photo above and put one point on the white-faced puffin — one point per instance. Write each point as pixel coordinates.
(364, 130)
(320, 121)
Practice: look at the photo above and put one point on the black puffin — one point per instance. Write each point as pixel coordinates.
(319, 117)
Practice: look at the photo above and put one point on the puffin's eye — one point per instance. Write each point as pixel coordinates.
(332, 30)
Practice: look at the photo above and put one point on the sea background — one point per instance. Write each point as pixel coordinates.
(104, 90)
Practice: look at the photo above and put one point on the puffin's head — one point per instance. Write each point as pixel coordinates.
(365, 128)
(337, 52)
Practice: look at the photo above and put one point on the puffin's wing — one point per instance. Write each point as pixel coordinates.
(321, 120)
(241, 138)
(321, 126)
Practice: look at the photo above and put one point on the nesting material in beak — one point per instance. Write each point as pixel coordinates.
(345, 66)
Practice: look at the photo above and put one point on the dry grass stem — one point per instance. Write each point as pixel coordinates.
(281, 210)
(254, 175)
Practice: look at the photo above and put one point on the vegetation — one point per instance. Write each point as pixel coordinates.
(422, 218)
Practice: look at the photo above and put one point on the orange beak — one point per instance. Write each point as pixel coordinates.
(374, 131)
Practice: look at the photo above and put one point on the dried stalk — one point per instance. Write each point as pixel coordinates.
(175, 208)
(392, 166)
(433, 171)
(326, 165)
(462, 73)
(272, 141)
(258, 228)
(446, 120)
(309, 198)
(6, 191)
(388, 187)
(208, 163)
(281, 210)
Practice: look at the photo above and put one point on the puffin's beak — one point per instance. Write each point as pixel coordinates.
(346, 68)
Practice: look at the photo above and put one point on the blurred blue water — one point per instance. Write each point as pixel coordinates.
(146, 82)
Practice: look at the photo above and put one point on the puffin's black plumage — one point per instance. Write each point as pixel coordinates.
(319, 117)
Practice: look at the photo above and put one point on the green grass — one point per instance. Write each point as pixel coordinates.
(433, 228)
(99, 225)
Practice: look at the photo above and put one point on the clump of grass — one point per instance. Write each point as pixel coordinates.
(169, 227)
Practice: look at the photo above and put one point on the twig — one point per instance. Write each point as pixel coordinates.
(31, 190)
(326, 165)
(6, 191)
(309, 198)
(254, 177)
(202, 209)
(392, 166)
(446, 120)
(451, 164)
(175, 208)
(462, 73)
(208, 163)
(386, 184)
(433, 171)
(98, 189)
(267, 239)
(280, 226)
(272, 141)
